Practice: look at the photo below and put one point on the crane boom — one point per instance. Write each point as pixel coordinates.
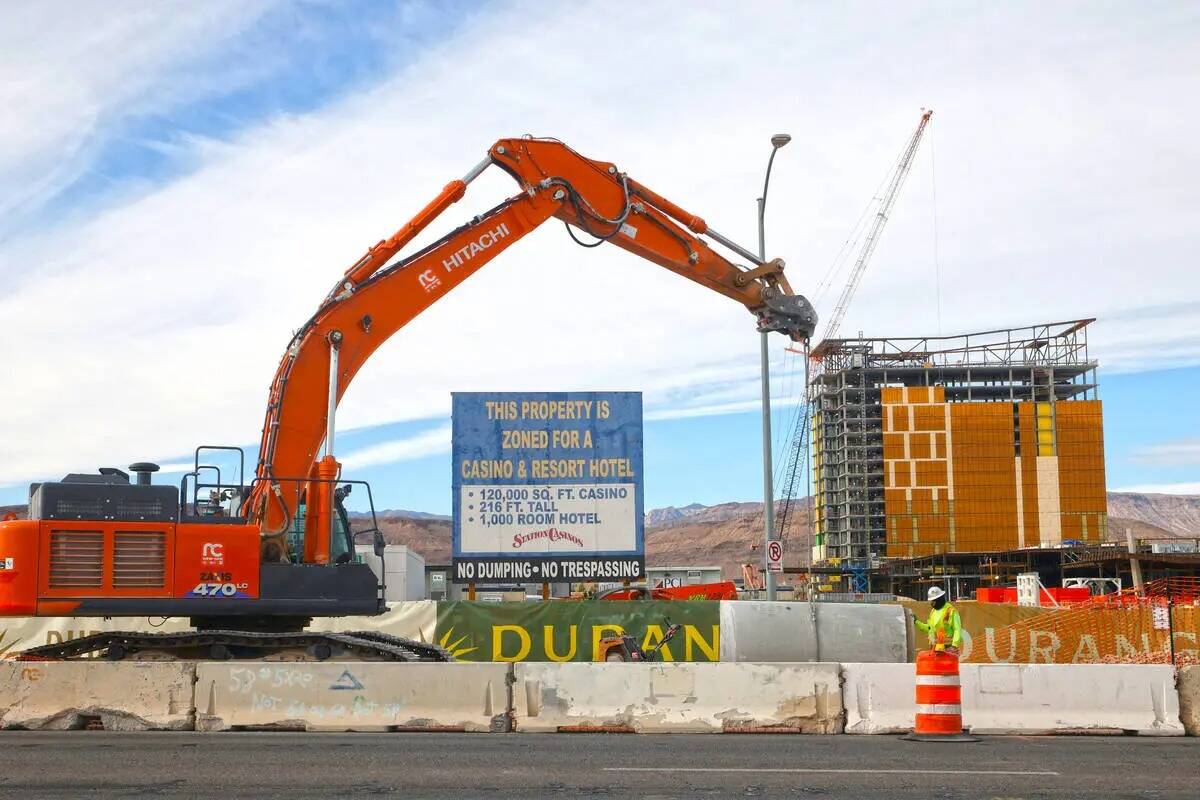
(881, 218)
(799, 450)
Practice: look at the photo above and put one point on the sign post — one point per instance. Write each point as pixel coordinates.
(774, 556)
(547, 487)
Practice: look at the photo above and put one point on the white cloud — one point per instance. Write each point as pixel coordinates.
(176, 467)
(70, 73)
(1163, 488)
(1183, 452)
(427, 443)
(157, 324)
(686, 412)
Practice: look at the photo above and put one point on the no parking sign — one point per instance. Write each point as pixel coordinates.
(774, 556)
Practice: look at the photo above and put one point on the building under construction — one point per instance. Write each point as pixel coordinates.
(981, 442)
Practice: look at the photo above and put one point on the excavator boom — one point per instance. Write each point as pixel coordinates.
(376, 298)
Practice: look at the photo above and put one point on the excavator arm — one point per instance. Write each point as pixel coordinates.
(376, 297)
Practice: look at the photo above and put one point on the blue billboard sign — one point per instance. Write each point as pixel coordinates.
(547, 487)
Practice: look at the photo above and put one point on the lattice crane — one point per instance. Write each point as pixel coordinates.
(881, 218)
(800, 442)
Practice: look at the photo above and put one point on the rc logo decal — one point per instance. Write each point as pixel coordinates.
(429, 280)
(212, 554)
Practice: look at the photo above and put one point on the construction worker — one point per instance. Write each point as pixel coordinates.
(943, 618)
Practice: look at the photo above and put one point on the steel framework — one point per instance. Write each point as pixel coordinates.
(1047, 362)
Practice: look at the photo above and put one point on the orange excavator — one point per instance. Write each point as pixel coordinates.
(252, 563)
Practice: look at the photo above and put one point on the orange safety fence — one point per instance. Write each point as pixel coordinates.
(1158, 625)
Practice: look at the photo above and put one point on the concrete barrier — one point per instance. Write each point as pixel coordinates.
(1024, 698)
(351, 696)
(759, 631)
(857, 698)
(1071, 698)
(879, 698)
(677, 698)
(1189, 699)
(71, 695)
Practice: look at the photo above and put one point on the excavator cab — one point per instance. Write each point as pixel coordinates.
(227, 500)
(341, 542)
(104, 545)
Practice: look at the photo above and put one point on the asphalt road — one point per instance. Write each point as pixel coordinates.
(310, 765)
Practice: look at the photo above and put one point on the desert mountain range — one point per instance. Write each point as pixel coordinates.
(729, 534)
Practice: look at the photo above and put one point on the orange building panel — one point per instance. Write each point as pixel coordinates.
(933, 528)
(929, 418)
(1071, 527)
(918, 446)
(988, 462)
(932, 473)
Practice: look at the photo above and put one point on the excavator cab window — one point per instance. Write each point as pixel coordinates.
(341, 547)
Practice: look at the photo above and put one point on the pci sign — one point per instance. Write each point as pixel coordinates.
(774, 556)
(547, 487)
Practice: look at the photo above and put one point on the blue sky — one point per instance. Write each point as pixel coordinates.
(284, 60)
(179, 187)
(716, 459)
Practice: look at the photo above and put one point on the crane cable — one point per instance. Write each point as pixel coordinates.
(937, 265)
(784, 435)
(790, 437)
(799, 451)
(855, 234)
(894, 179)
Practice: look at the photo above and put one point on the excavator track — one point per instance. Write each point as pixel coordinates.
(219, 645)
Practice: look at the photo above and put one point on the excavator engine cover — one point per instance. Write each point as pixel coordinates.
(102, 497)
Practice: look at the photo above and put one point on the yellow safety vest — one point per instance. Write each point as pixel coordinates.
(948, 620)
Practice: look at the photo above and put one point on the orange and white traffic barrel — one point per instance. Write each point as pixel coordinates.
(939, 699)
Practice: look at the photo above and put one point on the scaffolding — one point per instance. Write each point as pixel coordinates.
(1043, 363)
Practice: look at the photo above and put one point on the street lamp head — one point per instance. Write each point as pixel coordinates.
(780, 139)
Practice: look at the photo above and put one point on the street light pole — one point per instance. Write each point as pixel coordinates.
(777, 141)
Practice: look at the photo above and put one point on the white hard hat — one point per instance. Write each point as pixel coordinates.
(935, 592)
